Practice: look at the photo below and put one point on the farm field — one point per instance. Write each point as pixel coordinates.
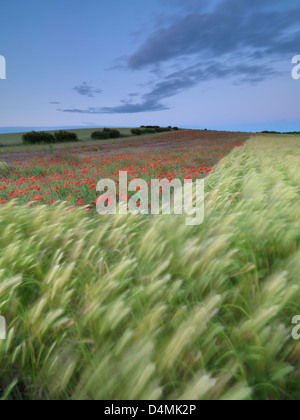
(122, 307)
(70, 173)
(84, 134)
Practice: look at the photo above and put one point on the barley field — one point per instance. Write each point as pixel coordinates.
(124, 307)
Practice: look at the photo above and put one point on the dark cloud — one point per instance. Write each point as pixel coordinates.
(210, 40)
(126, 108)
(182, 80)
(54, 103)
(85, 90)
(191, 76)
(232, 26)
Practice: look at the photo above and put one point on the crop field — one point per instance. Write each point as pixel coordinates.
(125, 307)
(70, 174)
(15, 139)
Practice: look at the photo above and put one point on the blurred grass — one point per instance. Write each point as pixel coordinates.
(121, 307)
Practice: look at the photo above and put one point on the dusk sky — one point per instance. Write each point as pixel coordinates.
(217, 64)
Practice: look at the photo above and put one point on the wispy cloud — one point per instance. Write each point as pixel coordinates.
(182, 80)
(193, 75)
(86, 90)
(126, 108)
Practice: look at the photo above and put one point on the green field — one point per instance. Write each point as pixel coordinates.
(10, 143)
(123, 307)
(84, 134)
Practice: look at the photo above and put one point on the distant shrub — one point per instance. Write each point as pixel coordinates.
(279, 132)
(149, 131)
(163, 129)
(114, 134)
(38, 137)
(153, 127)
(159, 129)
(65, 137)
(100, 135)
(42, 137)
(271, 132)
(136, 131)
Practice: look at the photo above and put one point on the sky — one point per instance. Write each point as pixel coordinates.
(215, 64)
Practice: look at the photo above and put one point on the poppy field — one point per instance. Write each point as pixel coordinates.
(130, 308)
(71, 174)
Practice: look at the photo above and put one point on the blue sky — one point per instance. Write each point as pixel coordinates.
(217, 64)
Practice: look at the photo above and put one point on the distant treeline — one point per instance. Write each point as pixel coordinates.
(152, 129)
(279, 132)
(105, 134)
(43, 137)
